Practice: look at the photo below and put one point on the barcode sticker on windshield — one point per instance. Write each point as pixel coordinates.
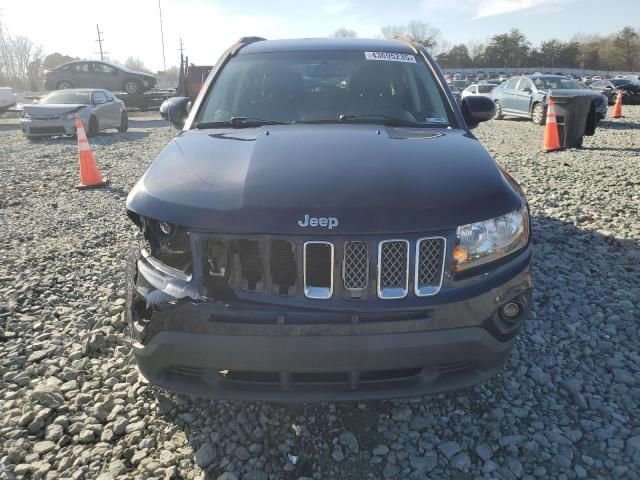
(390, 57)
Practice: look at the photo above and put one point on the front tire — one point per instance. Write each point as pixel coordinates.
(498, 115)
(64, 84)
(538, 114)
(93, 128)
(124, 123)
(132, 86)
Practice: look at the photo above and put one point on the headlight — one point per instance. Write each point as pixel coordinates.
(483, 242)
(25, 115)
(169, 245)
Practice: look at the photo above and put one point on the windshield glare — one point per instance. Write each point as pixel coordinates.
(66, 98)
(323, 86)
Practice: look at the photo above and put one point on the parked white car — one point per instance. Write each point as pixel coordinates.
(482, 89)
(7, 99)
(55, 114)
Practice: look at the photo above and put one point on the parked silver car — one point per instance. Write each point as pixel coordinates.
(55, 114)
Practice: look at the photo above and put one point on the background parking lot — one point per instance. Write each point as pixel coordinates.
(74, 406)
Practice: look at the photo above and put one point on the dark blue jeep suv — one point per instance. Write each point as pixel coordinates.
(326, 227)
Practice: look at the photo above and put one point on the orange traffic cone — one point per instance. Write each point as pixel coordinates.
(89, 174)
(551, 137)
(617, 108)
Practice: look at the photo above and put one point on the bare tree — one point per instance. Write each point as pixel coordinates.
(136, 64)
(418, 31)
(343, 32)
(476, 52)
(20, 61)
(393, 31)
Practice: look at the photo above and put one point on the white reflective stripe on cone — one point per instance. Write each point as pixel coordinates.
(80, 130)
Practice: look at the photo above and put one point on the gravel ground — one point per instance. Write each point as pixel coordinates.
(74, 406)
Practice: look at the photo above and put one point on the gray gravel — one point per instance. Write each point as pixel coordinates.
(74, 406)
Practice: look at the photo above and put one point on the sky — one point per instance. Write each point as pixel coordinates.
(208, 27)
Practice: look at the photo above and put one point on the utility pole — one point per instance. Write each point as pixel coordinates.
(164, 61)
(100, 39)
(181, 73)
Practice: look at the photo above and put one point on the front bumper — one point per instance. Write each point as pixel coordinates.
(257, 352)
(46, 128)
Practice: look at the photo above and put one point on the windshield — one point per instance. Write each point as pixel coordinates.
(557, 82)
(66, 97)
(486, 88)
(316, 86)
(621, 82)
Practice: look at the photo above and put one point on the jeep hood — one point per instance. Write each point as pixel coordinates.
(373, 179)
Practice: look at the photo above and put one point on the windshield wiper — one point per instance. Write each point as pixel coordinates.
(239, 122)
(387, 120)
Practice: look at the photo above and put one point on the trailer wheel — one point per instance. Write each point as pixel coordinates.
(132, 86)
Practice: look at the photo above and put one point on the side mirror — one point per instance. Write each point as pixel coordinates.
(175, 110)
(526, 89)
(476, 109)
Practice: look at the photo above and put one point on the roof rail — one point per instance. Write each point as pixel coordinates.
(243, 42)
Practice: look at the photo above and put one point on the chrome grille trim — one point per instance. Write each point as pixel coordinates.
(429, 266)
(315, 292)
(355, 265)
(393, 269)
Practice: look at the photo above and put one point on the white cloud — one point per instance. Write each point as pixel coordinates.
(334, 8)
(491, 8)
(476, 9)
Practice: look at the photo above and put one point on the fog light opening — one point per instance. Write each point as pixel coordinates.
(511, 310)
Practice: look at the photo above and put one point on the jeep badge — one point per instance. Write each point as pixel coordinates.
(325, 222)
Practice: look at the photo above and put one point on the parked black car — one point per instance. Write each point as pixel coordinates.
(337, 241)
(610, 88)
(526, 96)
(91, 74)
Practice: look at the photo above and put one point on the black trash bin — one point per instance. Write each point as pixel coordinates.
(576, 117)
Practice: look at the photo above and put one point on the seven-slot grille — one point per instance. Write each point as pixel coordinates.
(429, 265)
(362, 269)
